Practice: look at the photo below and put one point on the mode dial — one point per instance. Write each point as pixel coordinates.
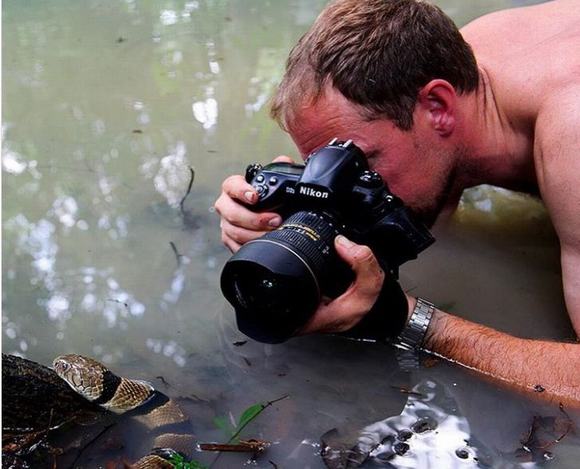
(370, 179)
(252, 170)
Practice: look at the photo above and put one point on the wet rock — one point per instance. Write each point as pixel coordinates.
(424, 425)
(462, 453)
(404, 435)
(400, 448)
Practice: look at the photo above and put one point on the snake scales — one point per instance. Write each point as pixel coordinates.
(37, 397)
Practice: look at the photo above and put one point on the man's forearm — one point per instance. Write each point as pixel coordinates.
(522, 363)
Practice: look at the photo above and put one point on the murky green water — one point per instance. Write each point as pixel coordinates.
(106, 106)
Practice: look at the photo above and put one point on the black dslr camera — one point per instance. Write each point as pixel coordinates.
(276, 282)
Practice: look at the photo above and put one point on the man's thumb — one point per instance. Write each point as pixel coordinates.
(353, 254)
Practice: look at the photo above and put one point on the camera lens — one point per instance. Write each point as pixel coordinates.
(276, 282)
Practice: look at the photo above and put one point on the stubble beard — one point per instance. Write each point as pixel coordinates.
(429, 212)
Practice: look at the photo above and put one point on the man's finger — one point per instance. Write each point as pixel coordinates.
(237, 188)
(283, 159)
(230, 243)
(332, 318)
(238, 234)
(238, 215)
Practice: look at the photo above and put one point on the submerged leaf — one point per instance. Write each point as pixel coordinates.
(179, 462)
(249, 414)
(223, 424)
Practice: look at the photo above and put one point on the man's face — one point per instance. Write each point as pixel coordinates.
(416, 167)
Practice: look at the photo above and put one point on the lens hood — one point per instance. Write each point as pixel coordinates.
(272, 288)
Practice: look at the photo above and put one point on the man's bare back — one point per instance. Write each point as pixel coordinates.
(531, 56)
(532, 51)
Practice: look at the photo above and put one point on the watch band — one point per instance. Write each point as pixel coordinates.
(414, 332)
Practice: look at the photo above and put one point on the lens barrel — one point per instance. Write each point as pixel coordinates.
(275, 282)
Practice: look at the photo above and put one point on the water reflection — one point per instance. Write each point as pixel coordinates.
(206, 112)
(172, 176)
(429, 432)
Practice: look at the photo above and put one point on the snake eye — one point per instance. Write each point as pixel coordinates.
(61, 366)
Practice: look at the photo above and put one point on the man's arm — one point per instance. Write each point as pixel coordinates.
(520, 363)
(557, 156)
(571, 280)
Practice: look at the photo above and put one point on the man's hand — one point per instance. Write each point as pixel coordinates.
(346, 311)
(239, 224)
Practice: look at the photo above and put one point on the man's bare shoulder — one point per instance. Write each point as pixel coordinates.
(522, 34)
(530, 53)
(557, 160)
(523, 22)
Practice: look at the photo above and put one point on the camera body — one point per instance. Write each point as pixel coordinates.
(277, 281)
(336, 179)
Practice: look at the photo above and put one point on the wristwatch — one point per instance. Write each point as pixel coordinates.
(414, 332)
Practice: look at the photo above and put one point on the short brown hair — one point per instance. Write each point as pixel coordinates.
(378, 54)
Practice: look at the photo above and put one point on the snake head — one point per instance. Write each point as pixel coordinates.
(84, 375)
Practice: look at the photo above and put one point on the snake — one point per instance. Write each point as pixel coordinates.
(96, 383)
(95, 387)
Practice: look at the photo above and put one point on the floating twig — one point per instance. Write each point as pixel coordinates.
(113, 300)
(569, 421)
(190, 185)
(163, 380)
(404, 390)
(92, 442)
(178, 256)
(248, 416)
(243, 446)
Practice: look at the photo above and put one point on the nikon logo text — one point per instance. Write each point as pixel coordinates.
(308, 191)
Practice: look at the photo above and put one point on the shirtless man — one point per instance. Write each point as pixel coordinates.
(397, 78)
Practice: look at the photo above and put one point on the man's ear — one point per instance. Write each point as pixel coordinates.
(438, 100)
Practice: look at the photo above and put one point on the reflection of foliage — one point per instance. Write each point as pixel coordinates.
(92, 143)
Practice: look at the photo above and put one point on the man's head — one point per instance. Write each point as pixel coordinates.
(387, 74)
